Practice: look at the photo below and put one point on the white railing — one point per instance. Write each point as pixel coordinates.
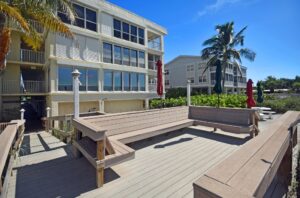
(28, 86)
(37, 26)
(154, 45)
(32, 56)
(152, 65)
(152, 87)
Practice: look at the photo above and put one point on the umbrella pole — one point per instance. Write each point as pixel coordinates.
(218, 100)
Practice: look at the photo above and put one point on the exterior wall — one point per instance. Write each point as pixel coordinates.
(67, 107)
(123, 106)
(10, 108)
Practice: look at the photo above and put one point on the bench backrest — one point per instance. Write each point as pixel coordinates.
(131, 121)
(251, 170)
(222, 115)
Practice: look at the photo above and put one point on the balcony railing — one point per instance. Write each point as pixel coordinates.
(28, 86)
(154, 45)
(37, 26)
(152, 87)
(152, 65)
(32, 56)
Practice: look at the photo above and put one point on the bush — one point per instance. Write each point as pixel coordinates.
(283, 105)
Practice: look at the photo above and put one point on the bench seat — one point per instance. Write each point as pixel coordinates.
(134, 136)
(88, 147)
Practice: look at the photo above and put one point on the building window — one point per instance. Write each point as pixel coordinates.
(202, 79)
(117, 81)
(134, 81)
(126, 56)
(142, 86)
(125, 27)
(133, 33)
(65, 81)
(107, 53)
(167, 82)
(108, 80)
(191, 80)
(142, 59)
(141, 36)
(126, 78)
(92, 79)
(117, 55)
(117, 28)
(82, 79)
(133, 58)
(85, 18)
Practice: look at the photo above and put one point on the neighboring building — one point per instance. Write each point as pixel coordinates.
(184, 68)
(114, 49)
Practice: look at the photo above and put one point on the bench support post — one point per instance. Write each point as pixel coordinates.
(78, 136)
(100, 156)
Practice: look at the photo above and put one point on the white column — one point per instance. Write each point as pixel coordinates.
(48, 112)
(188, 92)
(22, 113)
(147, 103)
(76, 75)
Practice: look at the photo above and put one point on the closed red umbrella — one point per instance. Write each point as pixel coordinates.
(159, 88)
(250, 99)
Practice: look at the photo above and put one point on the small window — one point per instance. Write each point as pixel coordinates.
(142, 82)
(117, 81)
(133, 33)
(126, 77)
(108, 80)
(91, 20)
(107, 53)
(126, 56)
(92, 79)
(134, 82)
(117, 28)
(142, 59)
(82, 79)
(141, 36)
(117, 55)
(80, 15)
(133, 58)
(125, 31)
(65, 81)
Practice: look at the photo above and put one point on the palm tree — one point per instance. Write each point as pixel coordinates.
(223, 47)
(18, 14)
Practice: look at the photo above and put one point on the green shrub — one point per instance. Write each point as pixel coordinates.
(284, 104)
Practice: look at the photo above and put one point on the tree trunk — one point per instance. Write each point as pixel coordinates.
(224, 66)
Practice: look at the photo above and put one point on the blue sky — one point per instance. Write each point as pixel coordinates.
(273, 29)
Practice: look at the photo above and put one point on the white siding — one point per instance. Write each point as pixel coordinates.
(81, 48)
(106, 24)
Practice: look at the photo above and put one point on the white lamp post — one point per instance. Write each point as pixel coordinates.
(75, 75)
(22, 113)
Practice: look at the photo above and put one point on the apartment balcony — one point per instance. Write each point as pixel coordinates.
(152, 65)
(37, 26)
(27, 87)
(32, 56)
(152, 87)
(154, 41)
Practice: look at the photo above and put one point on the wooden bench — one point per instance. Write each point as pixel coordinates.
(10, 140)
(232, 120)
(256, 168)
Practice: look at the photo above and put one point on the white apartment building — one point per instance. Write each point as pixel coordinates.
(184, 68)
(114, 49)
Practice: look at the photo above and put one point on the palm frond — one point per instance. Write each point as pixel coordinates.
(4, 46)
(33, 39)
(248, 54)
(234, 54)
(210, 63)
(238, 66)
(14, 14)
(212, 41)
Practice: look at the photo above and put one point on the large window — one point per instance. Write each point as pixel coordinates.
(129, 32)
(117, 28)
(85, 18)
(88, 79)
(108, 80)
(142, 86)
(134, 82)
(142, 59)
(126, 56)
(65, 81)
(133, 58)
(117, 81)
(141, 36)
(117, 55)
(126, 80)
(107, 53)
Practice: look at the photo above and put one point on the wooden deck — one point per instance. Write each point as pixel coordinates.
(164, 166)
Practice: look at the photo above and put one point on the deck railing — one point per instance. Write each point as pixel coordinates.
(32, 56)
(28, 86)
(3, 126)
(152, 87)
(154, 45)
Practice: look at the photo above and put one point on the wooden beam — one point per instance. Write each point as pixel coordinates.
(100, 156)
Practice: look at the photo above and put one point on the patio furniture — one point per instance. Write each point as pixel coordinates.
(258, 168)
(269, 113)
(101, 139)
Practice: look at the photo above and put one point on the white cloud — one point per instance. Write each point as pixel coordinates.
(216, 6)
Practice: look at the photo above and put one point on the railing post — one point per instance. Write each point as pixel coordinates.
(48, 119)
(75, 75)
(22, 113)
(188, 93)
